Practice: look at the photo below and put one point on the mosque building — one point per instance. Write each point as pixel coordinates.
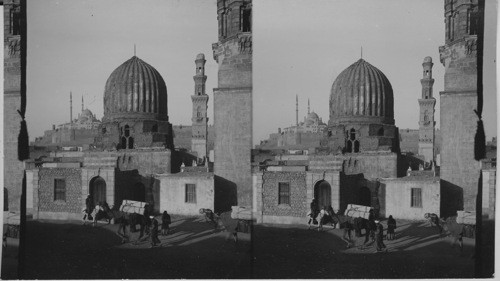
(131, 152)
(358, 160)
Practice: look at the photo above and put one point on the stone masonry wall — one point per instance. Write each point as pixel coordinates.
(458, 126)
(13, 168)
(298, 206)
(46, 202)
(233, 133)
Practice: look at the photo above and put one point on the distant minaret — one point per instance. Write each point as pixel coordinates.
(308, 107)
(427, 104)
(296, 110)
(82, 103)
(199, 129)
(70, 107)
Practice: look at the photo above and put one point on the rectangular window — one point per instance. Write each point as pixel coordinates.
(284, 193)
(416, 197)
(190, 193)
(60, 189)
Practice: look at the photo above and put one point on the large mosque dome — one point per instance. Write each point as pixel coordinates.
(361, 94)
(135, 90)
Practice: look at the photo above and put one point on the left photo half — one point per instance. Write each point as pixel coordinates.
(127, 138)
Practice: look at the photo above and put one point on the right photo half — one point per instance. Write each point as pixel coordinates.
(374, 139)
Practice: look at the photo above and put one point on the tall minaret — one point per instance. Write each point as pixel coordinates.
(82, 103)
(426, 120)
(70, 107)
(199, 129)
(296, 111)
(308, 107)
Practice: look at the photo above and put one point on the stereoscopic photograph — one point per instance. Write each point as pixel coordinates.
(249, 139)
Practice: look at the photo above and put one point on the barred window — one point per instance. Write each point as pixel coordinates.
(190, 193)
(416, 197)
(284, 193)
(60, 189)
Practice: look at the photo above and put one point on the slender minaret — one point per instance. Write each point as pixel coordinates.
(426, 121)
(199, 129)
(308, 107)
(296, 111)
(70, 107)
(82, 103)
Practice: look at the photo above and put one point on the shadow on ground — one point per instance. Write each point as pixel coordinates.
(417, 252)
(62, 250)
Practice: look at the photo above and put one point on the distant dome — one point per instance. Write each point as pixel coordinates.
(200, 57)
(427, 59)
(362, 94)
(86, 115)
(312, 118)
(135, 90)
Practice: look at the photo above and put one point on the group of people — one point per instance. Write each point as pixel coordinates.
(165, 227)
(374, 229)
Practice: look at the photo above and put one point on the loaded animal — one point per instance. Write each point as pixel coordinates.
(434, 220)
(209, 216)
(455, 230)
(125, 219)
(99, 213)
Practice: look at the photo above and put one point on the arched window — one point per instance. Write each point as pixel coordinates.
(356, 146)
(126, 140)
(352, 143)
(127, 131)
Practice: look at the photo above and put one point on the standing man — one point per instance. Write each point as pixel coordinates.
(165, 223)
(154, 232)
(379, 237)
(391, 226)
(89, 207)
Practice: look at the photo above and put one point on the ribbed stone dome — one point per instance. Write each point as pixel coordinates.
(135, 90)
(361, 94)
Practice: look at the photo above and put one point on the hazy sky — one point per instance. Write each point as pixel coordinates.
(75, 45)
(300, 46)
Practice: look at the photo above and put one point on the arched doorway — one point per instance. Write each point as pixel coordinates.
(364, 196)
(323, 193)
(98, 190)
(137, 192)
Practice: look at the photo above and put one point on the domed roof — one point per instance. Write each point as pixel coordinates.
(86, 115)
(312, 118)
(427, 59)
(361, 94)
(135, 90)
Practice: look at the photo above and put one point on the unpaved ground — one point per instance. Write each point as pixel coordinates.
(69, 250)
(418, 252)
(10, 259)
